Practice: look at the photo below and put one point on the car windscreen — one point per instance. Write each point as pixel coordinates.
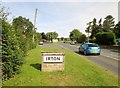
(93, 45)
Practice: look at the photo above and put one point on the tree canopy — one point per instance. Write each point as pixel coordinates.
(51, 35)
(75, 34)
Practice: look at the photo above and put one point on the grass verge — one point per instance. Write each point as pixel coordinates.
(78, 72)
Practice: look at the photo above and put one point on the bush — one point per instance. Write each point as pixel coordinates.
(105, 38)
(12, 57)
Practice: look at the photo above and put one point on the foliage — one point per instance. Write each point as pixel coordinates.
(17, 39)
(38, 36)
(43, 35)
(62, 38)
(82, 38)
(117, 30)
(106, 38)
(108, 24)
(24, 31)
(93, 27)
(12, 57)
(75, 35)
(4, 12)
(51, 35)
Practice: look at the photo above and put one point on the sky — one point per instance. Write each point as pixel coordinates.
(62, 17)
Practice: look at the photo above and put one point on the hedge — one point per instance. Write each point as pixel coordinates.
(12, 57)
(105, 38)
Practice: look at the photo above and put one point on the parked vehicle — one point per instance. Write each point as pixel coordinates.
(90, 48)
(72, 43)
(41, 43)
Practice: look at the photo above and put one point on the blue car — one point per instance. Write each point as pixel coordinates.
(90, 48)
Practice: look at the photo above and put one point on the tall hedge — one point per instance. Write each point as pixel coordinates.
(12, 57)
(16, 41)
(105, 38)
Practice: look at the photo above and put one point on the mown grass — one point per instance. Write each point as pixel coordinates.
(54, 44)
(78, 72)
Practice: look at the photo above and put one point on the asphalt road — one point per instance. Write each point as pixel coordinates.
(108, 59)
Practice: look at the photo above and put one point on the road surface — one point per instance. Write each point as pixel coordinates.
(108, 58)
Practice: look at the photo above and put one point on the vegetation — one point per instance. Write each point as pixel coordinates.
(106, 38)
(82, 38)
(117, 30)
(17, 39)
(99, 29)
(12, 57)
(51, 35)
(78, 36)
(78, 72)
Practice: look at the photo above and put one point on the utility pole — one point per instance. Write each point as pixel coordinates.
(34, 24)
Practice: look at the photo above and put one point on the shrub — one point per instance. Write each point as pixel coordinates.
(12, 57)
(106, 38)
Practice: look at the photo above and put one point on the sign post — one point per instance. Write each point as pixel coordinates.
(52, 61)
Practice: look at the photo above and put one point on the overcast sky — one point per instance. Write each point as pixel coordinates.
(62, 17)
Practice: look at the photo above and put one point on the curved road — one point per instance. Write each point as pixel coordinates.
(108, 58)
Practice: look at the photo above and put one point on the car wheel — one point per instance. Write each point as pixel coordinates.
(98, 54)
(79, 51)
(85, 53)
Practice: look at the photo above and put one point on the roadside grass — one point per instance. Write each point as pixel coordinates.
(78, 72)
(54, 44)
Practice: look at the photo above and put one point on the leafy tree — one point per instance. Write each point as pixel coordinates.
(88, 29)
(62, 38)
(108, 24)
(24, 31)
(39, 36)
(94, 28)
(117, 30)
(75, 34)
(51, 35)
(43, 35)
(71, 36)
(100, 27)
(82, 38)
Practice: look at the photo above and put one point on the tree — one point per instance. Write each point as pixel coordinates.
(108, 24)
(39, 36)
(82, 38)
(92, 28)
(24, 31)
(100, 25)
(88, 29)
(71, 36)
(75, 34)
(43, 35)
(117, 30)
(4, 12)
(51, 35)
(62, 38)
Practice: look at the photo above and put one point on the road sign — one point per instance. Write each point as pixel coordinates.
(52, 61)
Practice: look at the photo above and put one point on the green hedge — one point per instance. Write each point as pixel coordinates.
(12, 57)
(15, 45)
(105, 38)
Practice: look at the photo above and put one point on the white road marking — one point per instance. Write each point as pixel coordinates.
(109, 56)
